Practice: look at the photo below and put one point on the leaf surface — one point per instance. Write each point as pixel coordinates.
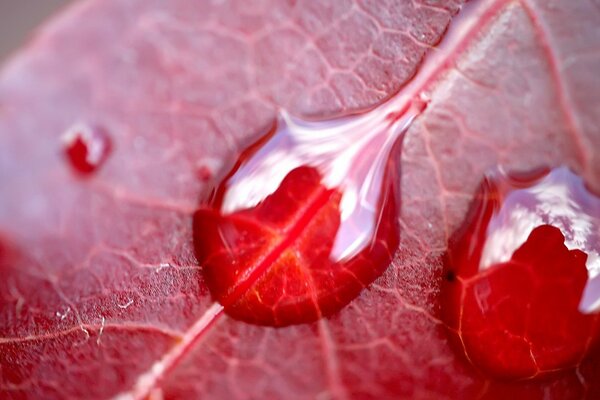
(101, 293)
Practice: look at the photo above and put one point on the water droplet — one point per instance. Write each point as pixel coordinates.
(204, 173)
(306, 219)
(86, 147)
(522, 287)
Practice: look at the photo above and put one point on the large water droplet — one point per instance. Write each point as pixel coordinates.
(86, 147)
(522, 289)
(306, 219)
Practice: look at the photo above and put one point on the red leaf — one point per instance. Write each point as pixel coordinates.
(100, 291)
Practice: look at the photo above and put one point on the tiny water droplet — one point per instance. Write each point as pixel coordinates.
(204, 173)
(522, 287)
(86, 147)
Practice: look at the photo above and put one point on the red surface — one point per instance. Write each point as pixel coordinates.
(521, 318)
(103, 281)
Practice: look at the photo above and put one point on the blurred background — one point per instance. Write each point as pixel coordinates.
(19, 18)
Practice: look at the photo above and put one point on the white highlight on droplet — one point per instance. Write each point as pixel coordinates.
(554, 200)
(95, 145)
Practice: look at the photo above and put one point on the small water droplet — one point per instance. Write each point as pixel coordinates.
(86, 147)
(522, 287)
(204, 173)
